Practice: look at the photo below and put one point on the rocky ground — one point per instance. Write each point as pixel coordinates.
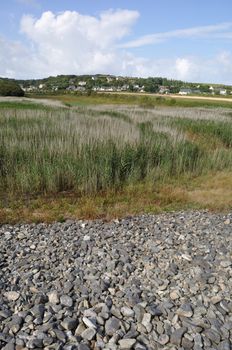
(148, 282)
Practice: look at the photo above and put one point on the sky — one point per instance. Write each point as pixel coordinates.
(190, 40)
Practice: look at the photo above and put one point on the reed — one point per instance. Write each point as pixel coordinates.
(92, 149)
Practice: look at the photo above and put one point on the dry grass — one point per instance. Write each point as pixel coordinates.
(212, 192)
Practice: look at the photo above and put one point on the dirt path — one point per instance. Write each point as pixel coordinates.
(222, 99)
(43, 101)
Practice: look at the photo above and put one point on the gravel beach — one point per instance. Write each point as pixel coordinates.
(147, 282)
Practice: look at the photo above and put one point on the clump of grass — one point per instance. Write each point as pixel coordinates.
(222, 130)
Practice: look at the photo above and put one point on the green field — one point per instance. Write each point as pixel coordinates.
(77, 156)
(145, 100)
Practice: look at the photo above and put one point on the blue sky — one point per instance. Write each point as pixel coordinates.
(189, 40)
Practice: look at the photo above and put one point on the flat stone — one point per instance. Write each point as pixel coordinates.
(146, 320)
(86, 238)
(226, 263)
(53, 297)
(12, 296)
(125, 344)
(185, 310)
(83, 347)
(69, 323)
(174, 295)
(187, 344)
(60, 335)
(112, 325)
(163, 339)
(216, 299)
(80, 329)
(176, 336)
(66, 300)
(212, 335)
(89, 323)
(9, 346)
(224, 345)
(88, 334)
(127, 312)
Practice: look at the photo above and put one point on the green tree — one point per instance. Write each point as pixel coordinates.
(10, 88)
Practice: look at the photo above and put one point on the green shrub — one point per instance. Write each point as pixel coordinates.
(10, 88)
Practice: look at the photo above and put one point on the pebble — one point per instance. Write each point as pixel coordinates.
(126, 343)
(69, 323)
(111, 326)
(127, 312)
(163, 339)
(53, 297)
(66, 300)
(89, 323)
(174, 295)
(88, 334)
(185, 310)
(12, 296)
(177, 335)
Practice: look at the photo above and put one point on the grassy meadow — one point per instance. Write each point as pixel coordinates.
(144, 100)
(107, 161)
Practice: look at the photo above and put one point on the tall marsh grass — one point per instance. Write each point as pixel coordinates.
(93, 149)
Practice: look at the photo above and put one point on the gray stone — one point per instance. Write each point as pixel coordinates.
(185, 310)
(83, 347)
(224, 345)
(66, 300)
(187, 344)
(88, 334)
(127, 312)
(60, 335)
(69, 323)
(112, 325)
(163, 339)
(126, 343)
(146, 321)
(12, 296)
(53, 297)
(212, 335)
(176, 336)
(89, 323)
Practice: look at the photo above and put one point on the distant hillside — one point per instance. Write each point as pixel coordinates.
(110, 83)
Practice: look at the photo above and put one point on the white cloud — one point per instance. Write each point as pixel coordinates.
(72, 43)
(183, 67)
(217, 31)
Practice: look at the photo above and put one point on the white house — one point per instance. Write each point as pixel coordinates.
(223, 92)
(185, 92)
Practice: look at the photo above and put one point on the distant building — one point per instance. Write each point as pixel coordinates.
(30, 88)
(185, 92)
(223, 92)
(125, 87)
(75, 88)
(196, 91)
(164, 90)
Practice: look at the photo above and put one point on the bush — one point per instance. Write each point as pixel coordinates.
(10, 88)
